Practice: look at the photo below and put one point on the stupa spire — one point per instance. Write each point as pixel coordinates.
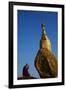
(44, 42)
(43, 28)
(43, 31)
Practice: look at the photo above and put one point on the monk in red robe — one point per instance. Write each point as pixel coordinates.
(26, 74)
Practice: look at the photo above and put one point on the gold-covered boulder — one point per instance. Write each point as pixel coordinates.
(45, 61)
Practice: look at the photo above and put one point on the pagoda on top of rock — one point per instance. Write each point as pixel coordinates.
(45, 42)
(45, 60)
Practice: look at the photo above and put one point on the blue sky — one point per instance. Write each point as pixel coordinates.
(29, 35)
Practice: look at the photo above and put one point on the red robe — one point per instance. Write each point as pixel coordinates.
(25, 72)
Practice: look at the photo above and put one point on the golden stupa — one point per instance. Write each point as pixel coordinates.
(45, 60)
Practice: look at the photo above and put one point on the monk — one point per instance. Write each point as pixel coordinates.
(26, 74)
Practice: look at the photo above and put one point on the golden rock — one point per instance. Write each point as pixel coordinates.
(45, 61)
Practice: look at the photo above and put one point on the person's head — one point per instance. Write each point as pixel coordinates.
(27, 66)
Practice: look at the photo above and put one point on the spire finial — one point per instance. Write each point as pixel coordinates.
(43, 28)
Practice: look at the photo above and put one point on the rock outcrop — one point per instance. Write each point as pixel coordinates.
(45, 61)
